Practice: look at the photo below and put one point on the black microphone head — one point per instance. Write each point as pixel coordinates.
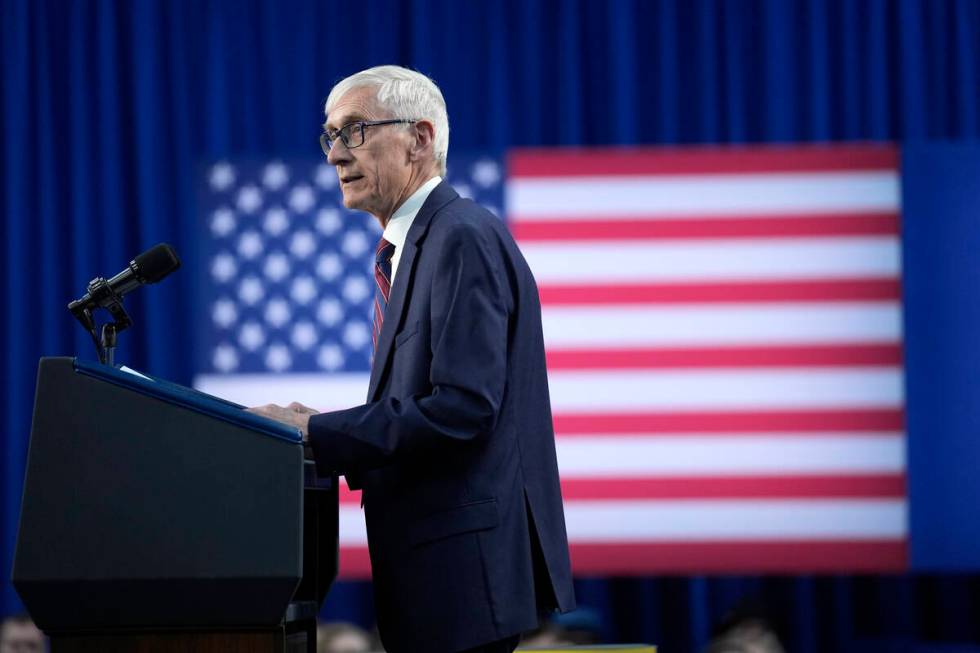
(156, 263)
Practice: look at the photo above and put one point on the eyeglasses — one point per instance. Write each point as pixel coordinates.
(352, 134)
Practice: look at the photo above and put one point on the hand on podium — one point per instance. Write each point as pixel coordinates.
(295, 414)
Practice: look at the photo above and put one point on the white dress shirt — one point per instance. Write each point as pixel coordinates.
(396, 231)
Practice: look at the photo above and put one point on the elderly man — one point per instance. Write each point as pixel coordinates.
(454, 450)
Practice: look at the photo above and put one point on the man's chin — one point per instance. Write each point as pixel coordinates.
(354, 201)
(349, 200)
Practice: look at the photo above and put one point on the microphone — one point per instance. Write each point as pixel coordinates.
(149, 267)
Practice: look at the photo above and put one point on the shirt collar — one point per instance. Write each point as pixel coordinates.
(396, 231)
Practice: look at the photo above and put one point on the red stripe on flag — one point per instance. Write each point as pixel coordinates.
(739, 556)
(891, 486)
(718, 487)
(682, 557)
(348, 496)
(870, 354)
(803, 421)
(871, 224)
(569, 162)
(726, 292)
(355, 563)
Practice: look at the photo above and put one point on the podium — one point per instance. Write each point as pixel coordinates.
(159, 518)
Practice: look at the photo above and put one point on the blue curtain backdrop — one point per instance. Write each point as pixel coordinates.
(110, 107)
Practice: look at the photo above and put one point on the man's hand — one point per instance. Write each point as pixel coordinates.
(295, 414)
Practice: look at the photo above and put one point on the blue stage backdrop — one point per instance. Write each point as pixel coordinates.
(941, 234)
(110, 108)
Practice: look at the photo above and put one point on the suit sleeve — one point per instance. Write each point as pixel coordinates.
(469, 315)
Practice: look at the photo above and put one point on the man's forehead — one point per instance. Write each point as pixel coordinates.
(356, 104)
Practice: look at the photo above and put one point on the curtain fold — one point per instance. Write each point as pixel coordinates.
(110, 108)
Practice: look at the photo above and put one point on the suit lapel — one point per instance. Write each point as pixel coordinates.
(398, 299)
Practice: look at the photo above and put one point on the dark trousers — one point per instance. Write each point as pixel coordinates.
(500, 646)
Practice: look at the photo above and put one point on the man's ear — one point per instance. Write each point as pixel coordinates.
(425, 133)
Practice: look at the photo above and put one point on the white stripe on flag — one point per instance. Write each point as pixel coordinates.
(699, 195)
(603, 456)
(783, 259)
(666, 390)
(734, 324)
(696, 519)
(352, 531)
(720, 519)
(324, 391)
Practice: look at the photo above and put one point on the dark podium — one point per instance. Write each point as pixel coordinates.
(158, 518)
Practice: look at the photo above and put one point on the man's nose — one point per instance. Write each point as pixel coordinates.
(338, 152)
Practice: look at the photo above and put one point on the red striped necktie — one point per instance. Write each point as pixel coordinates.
(382, 275)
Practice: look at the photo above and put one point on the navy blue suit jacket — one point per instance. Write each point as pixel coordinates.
(455, 449)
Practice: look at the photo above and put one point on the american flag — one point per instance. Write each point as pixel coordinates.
(724, 347)
(723, 329)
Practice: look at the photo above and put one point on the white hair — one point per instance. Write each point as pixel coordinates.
(408, 95)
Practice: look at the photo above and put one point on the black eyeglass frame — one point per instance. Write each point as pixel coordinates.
(327, 141)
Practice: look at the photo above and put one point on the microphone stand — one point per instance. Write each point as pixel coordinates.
(106, 347)
(109, 343)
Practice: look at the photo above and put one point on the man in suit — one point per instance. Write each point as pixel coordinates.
(454, 450)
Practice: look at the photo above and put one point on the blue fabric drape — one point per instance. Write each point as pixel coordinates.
(109, 108)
